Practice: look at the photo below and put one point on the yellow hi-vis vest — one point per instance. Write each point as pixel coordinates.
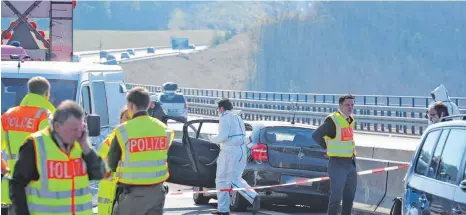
(343, 143)
(107, 186)
(144, 143)
(63, 185)
(18, 123)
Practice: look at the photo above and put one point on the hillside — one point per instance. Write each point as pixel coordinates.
(85, 40)
(169, 15)
(398, 48)
(337, 47)
(221, 67)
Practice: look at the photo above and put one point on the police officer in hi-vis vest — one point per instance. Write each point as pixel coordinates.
(19, 122)
(55, 165)
(107, 186)
(336, 136)
(138, 154)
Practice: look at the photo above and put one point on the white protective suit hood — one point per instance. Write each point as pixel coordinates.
(441, 94)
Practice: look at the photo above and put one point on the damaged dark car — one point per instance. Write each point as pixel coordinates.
(280, 153)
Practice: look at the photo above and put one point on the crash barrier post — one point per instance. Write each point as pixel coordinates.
(371, 188)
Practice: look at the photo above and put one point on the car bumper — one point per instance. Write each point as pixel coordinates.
(263, 174)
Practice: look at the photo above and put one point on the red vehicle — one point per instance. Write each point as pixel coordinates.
(9, 50)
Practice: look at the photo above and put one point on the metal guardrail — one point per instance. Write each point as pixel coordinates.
(376, 118)
(375, 100)
(368, 118)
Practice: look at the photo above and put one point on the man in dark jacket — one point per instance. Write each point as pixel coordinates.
(337, 131)
(156, 111)
(67, 129)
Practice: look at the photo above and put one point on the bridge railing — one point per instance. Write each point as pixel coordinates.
(376, 118)
(369, 118)
(376, 100)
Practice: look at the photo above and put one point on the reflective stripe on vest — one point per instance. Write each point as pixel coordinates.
(35, 195)
(136, 164)
(343, 143)
(144, 145)
(103, 200)
(106, 195)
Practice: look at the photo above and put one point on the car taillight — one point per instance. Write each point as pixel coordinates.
(259, 152)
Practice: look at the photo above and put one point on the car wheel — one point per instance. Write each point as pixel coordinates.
(238, 202)
(396, 207)
(199, 198)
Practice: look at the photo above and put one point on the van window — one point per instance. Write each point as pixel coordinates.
(437, 153)
(86, 99)
(452, 156)
(14, 90)
(426, 152)
(100, 101)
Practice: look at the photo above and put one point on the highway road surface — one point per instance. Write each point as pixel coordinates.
(139, 55)
(184, 205)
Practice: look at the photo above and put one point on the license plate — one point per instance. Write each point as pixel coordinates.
(172, 110)
(293, 179)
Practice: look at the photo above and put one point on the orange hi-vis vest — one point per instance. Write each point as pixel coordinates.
(18, 123)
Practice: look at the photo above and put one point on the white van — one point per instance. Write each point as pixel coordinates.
(99, 89)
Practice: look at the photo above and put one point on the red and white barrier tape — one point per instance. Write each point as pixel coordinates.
(302, 181)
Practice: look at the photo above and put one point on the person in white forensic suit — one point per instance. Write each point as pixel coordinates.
(440, 94)
(232, 158)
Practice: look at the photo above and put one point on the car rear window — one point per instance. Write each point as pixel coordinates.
(172, 98)
(301, 137)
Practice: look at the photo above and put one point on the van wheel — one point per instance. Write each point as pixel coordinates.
(238, 202)
(199, 198)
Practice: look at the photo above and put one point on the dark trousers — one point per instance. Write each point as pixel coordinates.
(343, 182)
(140, 200)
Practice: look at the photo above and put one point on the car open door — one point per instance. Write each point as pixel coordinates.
(179, 163)
(192, 159)
(201, 151)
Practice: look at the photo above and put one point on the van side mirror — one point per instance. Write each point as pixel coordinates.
(463, 185)
(93, 125)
